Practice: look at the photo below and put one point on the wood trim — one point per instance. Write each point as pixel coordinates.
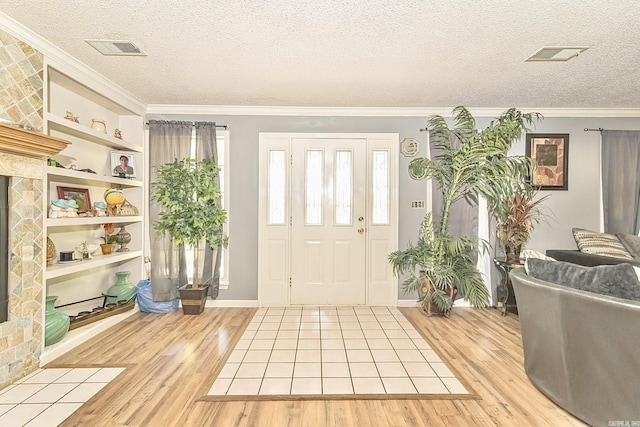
(23, 142)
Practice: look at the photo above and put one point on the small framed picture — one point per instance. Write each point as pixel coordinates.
(123, 164)
(550, 152)
(80, 195)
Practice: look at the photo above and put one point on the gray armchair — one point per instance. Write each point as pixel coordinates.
(581, 349)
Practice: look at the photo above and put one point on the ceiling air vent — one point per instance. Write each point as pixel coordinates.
(116, 47)
(556, 53)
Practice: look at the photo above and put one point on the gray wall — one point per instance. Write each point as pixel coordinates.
(578, 206)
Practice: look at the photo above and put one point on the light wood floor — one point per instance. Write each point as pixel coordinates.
(173, 359)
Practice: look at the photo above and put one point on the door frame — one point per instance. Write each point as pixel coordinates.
(274, 240)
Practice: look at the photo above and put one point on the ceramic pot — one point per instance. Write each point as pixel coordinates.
(123, 289)
(512, 253)
(107, 248)
(56, 323)
(98, 125)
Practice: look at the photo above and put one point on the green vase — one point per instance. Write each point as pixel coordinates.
(56, 323)
(123, 290)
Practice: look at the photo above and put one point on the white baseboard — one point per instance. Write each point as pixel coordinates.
(408, 303)
(76, 337)
(231, 303)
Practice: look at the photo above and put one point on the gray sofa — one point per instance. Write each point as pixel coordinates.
(589, 260)
(581, 349)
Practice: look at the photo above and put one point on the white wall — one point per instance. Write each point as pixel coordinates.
(577, 207)
(580, 205)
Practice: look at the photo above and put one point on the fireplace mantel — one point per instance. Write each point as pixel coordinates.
(23, 142)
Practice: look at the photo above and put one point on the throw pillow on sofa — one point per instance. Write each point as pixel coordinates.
(631, 243)
(593, 242)
(618, 280)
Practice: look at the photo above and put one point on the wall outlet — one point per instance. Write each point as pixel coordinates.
(417, 204)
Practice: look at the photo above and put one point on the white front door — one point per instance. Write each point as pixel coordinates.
(328, 218)
(328, 221)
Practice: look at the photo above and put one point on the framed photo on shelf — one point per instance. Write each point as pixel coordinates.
(80, 195)
(123, 164)
(550, 152)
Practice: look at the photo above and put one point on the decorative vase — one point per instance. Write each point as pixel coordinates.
(107, 248)
(512, 253)
(122, 290)
(122, 238)
(56, 323)
(98, 125)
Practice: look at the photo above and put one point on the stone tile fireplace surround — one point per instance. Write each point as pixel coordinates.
(22, 158)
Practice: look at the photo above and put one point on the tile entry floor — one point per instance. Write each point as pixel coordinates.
(333, 351)
(47, 397)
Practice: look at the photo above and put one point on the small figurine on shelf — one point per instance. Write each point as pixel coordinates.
(85, 250)
(100, 208)
(70, 116)
(115, 199)
(117, 133)
(62, 208)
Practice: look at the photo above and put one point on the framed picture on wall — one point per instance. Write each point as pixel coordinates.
(123, 164)
(550, 152)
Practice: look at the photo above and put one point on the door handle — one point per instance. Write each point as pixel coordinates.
(361, 230)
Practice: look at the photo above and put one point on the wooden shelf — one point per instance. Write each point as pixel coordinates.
(85, 178)
(58, 270)
(72, 128)
(95, 220)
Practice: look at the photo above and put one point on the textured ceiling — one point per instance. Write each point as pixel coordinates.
(366, 53)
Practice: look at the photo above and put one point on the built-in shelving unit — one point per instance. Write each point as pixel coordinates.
(87, 164)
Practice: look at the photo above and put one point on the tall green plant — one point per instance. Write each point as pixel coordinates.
(468, 163)
(190, 199)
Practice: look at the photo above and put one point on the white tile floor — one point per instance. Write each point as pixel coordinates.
(333, 351)
(48, 396)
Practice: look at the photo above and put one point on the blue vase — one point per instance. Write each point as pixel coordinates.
(56, 323)
(122, 290)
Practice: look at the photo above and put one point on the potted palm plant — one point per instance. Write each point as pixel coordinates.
(190, 199)
(516, 214)
(468, 163)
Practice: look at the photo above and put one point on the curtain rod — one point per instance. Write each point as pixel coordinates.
(192, 123)
(601, 129)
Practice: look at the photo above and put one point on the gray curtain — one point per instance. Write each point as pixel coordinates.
(167, 141)
(621, 181)
(207, 148)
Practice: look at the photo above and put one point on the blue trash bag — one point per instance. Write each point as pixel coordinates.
(148, 305)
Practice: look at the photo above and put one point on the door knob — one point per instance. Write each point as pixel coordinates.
(361, 218)
(360, 230)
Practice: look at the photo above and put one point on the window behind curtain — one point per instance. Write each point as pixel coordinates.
(222, 139)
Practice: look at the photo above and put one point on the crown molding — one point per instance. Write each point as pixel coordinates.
(247, 110)
(63, 62)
